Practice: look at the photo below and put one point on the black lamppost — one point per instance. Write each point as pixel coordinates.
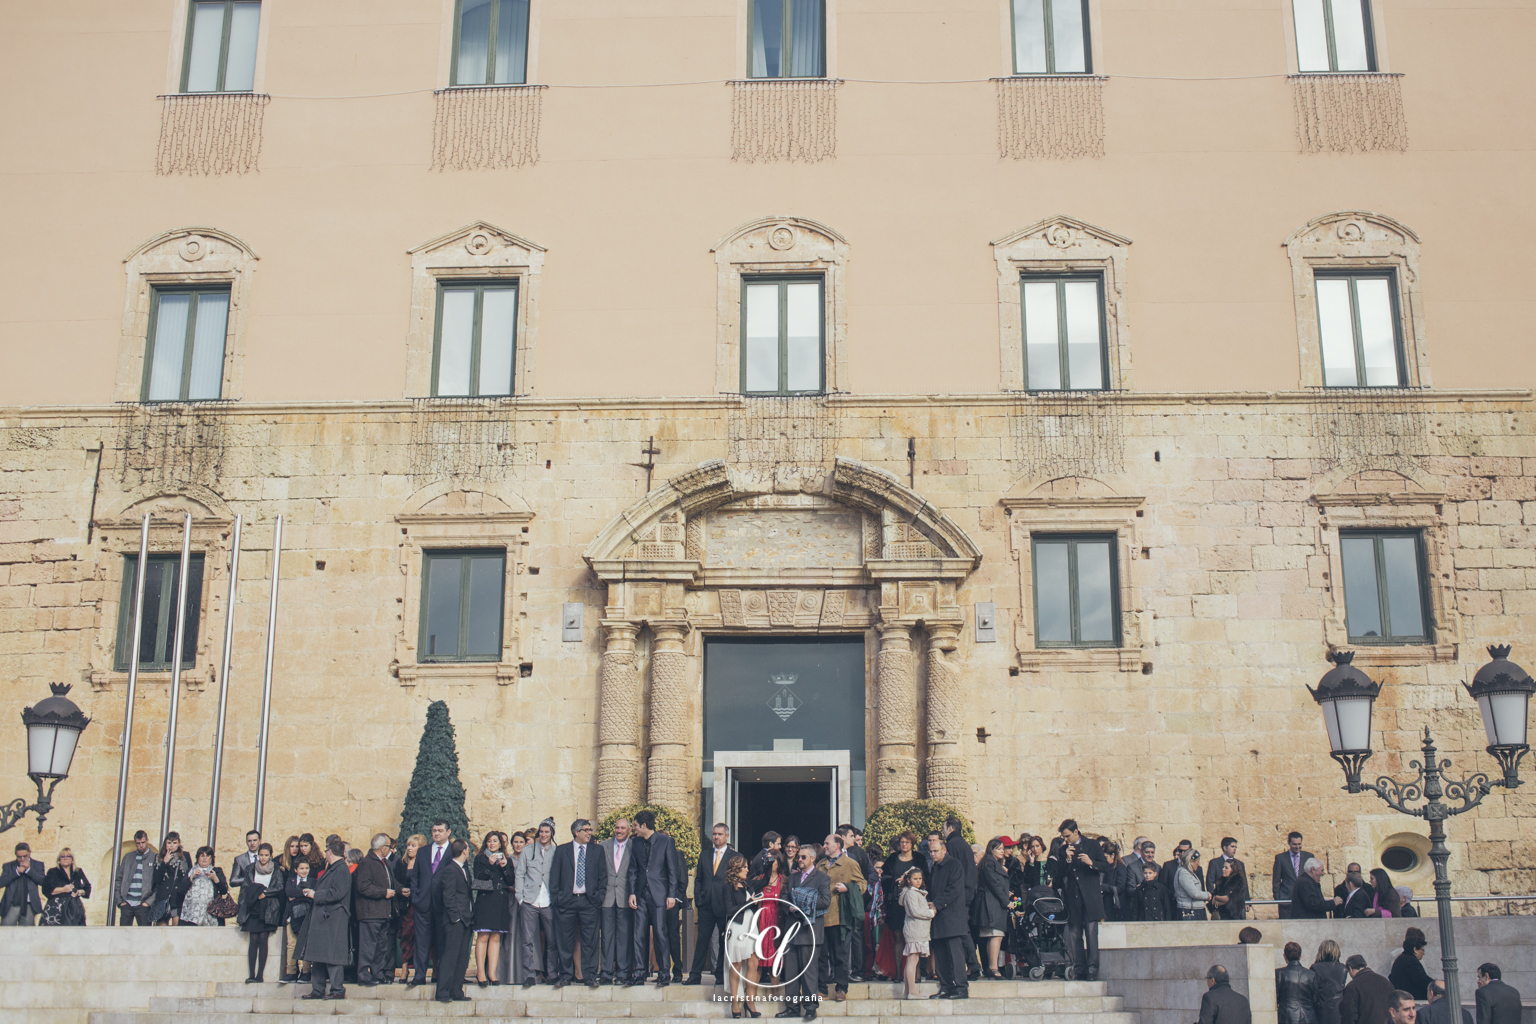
(53, 730)
(1502, 690)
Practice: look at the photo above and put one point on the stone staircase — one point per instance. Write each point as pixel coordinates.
(991, 1002)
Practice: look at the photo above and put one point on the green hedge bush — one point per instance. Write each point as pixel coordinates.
(920, 817)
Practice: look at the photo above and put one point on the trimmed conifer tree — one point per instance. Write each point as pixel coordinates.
(436, 792)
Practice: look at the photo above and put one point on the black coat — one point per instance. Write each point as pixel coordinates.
(298, 903)
(960, 851)
(1151, 901)
(1236, 891)
(1409, 975)
(990, 907)
(1498, 1003)
(1298, 995)
(253, 913)
(451, 902)
(30, 880)
(709, 886)
(1365, 998)
(653, 871)
(946, 891)
(562, 876)
(1355, 903)
(1119, 886)
(327, 934)
(57, 879)
(1082, 884)
(370, 882)
(1331, 979)
(1221, 1004)
(1307, 901)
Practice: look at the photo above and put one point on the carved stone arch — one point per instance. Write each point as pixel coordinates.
(1357, 240)
(1061, 486)
(871, 554)
(475, 251)
(129, 508)
(466, 497)
(1355, 483)
(1057, 245)
(780, 245)
(184, 256)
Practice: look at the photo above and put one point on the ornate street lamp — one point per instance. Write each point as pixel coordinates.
(53, 731)
(1503, 691)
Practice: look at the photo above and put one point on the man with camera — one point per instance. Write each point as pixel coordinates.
(1080, 870)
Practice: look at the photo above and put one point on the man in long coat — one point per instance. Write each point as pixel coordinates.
(326, 941)
(951, 927)
(960, 852)
(1082, 870)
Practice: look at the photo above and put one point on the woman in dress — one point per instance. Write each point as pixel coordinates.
(918, 919)
(740, 949)
(989, 909)
(492, 917)
(408, 915)
(769, 888)
(1229, 898)
(204, 882)
(170, 880)
(261, 910)
(65, 886)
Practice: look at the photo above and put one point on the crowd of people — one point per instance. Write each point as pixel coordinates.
(522, 909)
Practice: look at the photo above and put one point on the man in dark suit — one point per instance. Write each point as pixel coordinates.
(950, 928)
(1367, 995)
(1438, 1009)
(578, 881)
(456, 917)
(1221, 1004)
(1497, 1003)
(1342, 890)
(1228, 852)
(772, 844)
(1308, 901)
(1083, 866)
(1165, 874)
(373, 902)
(424, 876)
(655, 887)
(709, 902)
(811, 891)
(1287, 871)
(960, 852)
(1357, 897)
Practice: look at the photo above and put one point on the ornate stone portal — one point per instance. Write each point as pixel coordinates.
(708, 551)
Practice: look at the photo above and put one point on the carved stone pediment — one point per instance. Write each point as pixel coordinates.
(1354, 232)
(478, 244)
(1063, 235)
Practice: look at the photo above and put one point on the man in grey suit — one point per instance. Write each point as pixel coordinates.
(615, 918)
(1287, 869)
(800, 996)
(1497, 1003)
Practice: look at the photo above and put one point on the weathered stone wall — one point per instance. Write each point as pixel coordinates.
(1199, 726)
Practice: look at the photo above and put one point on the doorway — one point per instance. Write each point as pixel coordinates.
(789, 801)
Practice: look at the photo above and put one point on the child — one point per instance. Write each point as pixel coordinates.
(914, 901)
(1151, 900)
(298, 909)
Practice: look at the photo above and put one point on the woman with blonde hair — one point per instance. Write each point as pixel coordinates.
(1332, 978)
(408, 915)
(65, 886)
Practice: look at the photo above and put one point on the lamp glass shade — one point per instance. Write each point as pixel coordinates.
(51, 749)
(1349, 722)
(1504, 717)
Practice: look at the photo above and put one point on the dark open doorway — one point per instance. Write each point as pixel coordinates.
(794, 802)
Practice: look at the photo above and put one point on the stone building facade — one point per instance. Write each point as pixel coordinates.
(646, 514)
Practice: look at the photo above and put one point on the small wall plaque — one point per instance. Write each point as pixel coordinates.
(986, 622)
(571, 615)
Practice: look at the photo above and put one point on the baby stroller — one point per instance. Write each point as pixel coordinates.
(1035, 935)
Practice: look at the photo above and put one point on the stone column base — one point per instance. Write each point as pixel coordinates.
(895, 779)
(947, 780)
(618, 783)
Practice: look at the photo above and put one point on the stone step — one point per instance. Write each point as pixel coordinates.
(578, 993)
(1072, 1006)
(366, 1012)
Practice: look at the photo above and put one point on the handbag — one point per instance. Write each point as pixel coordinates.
(272, 911)
(483, 885)
(223, 907)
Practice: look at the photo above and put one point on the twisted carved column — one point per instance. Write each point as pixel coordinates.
(671, 724)
(896, 764)
(946, 765)
(618, 759)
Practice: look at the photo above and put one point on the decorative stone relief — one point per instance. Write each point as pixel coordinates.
(896, 765)
(618, 764)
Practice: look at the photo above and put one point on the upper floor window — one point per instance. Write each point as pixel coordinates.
(492, 43)
(162, 581)
(1358, 328)
(782, 346)
(476, 339)
(221, 46)
(788, 39)
(1075, 602)
(1050, 37)
(184, 356)
(1334, 35)
(1064, 346)
(461, 602)
(1384, 592)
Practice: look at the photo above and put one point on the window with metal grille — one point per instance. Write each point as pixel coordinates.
(157, 644)
(461, 606)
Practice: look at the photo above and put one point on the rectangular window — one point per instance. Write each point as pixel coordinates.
(788, 39)
(476, 339)
(157, 633)
(1334, 36)
(461, 606)
(1384, 593)
(184, 355)
(1358, 327)
(782, 351)
(1076, 599)
(1050, 37)
(1064, 346)
(491, 47)
(221, 46)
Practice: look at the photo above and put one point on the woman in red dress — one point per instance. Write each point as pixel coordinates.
(768, 888)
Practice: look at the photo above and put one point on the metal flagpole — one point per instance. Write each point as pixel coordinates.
(266, 675)
(133, 680)
(229, 637)
(176, 653)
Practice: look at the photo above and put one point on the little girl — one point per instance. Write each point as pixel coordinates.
(914, 901)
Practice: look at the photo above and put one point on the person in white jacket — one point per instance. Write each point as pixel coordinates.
(914, 931)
